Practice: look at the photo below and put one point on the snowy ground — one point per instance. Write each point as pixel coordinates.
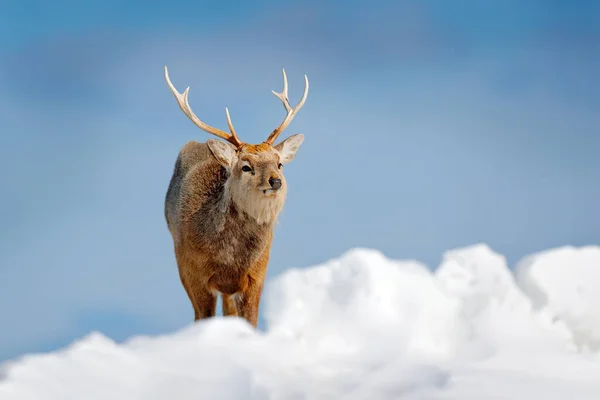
(363, 327)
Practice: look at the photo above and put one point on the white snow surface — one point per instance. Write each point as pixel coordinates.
(362, 327)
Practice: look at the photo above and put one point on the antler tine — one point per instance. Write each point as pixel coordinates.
(283, 96)
(182, 101)
(230, 124)
(291, 112)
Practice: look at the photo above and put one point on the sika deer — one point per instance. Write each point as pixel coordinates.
(221, 206)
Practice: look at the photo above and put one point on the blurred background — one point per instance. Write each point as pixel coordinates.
(429, 125)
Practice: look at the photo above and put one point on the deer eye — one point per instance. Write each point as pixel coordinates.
(246, 168)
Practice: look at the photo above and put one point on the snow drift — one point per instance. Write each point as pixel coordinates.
(362, 327)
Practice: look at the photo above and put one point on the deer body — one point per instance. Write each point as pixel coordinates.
(221, 208)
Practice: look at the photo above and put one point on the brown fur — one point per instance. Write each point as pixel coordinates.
(222, 221)
(221, 206)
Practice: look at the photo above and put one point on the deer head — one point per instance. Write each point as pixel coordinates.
(256, 181)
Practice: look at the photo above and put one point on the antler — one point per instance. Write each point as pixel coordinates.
(291, 112)
(182, 100)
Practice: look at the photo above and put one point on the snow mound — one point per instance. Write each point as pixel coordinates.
(360, 301)
(361, 327)
(563, 283)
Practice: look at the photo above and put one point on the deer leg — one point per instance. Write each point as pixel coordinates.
(183, 267)
(205, 302)
(187, 288)
(250, 301)
(229, 305)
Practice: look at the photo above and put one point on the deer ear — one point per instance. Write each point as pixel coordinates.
(224, 152)
(288, 148)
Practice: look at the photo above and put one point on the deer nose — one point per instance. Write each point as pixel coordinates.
(275, 183)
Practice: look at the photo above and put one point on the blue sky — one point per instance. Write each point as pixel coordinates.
(429, 125)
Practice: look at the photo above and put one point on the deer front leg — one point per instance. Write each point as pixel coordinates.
(205, 302)
(190, 271)
(250, 300)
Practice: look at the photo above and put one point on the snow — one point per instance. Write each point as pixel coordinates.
(563, 283)
(362, 326)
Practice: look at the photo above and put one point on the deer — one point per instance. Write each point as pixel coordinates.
(221, 207)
